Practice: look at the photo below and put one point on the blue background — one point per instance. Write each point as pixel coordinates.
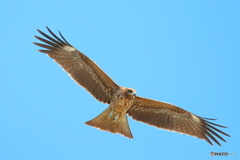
(182, 52)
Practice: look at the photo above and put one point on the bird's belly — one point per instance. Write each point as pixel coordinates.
(119, 108)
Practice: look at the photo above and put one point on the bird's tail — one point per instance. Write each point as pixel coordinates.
(113, 123)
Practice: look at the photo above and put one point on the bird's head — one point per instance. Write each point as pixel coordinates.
(129, 92)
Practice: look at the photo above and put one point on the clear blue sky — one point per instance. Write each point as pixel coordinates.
(185, 53)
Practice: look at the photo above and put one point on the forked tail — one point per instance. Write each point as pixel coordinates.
(114, 124)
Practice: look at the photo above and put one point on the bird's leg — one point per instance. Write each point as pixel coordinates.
(113, 115)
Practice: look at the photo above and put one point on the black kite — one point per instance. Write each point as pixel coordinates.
(122, 100)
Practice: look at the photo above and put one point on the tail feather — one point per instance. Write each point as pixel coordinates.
(104, 122)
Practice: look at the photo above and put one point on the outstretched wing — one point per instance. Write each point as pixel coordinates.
(169, 117)
(82, 69)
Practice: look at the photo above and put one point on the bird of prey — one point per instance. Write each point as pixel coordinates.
(122, 100)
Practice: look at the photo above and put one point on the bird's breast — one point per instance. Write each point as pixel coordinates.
(120, 103)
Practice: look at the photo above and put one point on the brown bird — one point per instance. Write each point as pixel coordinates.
(123, 101)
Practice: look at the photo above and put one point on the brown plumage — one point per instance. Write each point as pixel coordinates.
(122, 100)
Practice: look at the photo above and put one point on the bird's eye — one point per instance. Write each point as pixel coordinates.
(129, 91)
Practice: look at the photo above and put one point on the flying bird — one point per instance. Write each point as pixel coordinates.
(122, 100)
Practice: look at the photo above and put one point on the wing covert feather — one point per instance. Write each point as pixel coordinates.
(82, 69)
(169, 117)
